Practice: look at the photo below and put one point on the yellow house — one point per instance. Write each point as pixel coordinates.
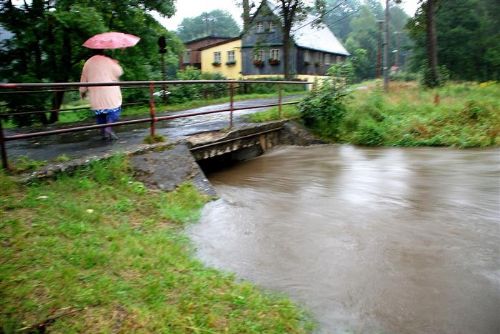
(223, 58)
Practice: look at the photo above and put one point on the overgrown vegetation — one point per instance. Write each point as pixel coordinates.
(111, 257)
(324, 107)
(467, 116)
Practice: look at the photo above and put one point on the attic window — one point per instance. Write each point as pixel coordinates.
(272, 27)
(260, 27)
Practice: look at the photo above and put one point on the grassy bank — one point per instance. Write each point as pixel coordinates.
(98, 252)
(467, 115)
(287, 112)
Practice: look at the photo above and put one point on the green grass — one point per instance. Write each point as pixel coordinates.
(468, 115)
(97, 252)
(287, 112)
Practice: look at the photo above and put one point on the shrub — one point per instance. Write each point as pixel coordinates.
(189, 92)
(324, 107)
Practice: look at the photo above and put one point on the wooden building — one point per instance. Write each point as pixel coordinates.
(192, 53)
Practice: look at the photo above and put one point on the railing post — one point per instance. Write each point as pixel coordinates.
(152, 112)
(5, 162)
(280, 100)
(231, 104)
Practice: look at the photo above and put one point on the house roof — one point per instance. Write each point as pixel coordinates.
(207, 37)
(220, 43)
(315, 36)
(318, 37)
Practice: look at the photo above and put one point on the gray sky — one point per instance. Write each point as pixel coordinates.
(192, 8)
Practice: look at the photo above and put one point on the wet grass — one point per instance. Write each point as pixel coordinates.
(465, 115)
(98, 252)
(459, 115)
(287, 112)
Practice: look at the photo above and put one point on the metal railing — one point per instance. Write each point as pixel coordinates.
(26, 88)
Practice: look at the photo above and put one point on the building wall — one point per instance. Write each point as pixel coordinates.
(311, 62)
(230, 71)
(265, 40)
(195, 53)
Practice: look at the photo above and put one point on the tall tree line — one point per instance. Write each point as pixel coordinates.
(47, 39)
(467, 36)
(358, 24)
(214, 23)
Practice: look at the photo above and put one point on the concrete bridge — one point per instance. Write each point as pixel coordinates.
(164, 166)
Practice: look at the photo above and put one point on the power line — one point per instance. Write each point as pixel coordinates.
(345, 17)
(320, 16)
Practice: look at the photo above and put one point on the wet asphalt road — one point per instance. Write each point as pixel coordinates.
(88, 143)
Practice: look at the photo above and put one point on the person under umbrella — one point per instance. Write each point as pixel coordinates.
(105, 101)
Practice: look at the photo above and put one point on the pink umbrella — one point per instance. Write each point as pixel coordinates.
(111, 40)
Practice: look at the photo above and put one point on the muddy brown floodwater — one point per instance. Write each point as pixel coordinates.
(369, 240)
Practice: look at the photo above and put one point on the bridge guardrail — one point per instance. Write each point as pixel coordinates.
(26, 88)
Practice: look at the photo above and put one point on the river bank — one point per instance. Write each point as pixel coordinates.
(99, 252)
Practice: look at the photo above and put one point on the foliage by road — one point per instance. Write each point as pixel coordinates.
(98, 252)
(46, 45)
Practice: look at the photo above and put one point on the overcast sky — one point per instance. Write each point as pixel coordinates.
(192, 8)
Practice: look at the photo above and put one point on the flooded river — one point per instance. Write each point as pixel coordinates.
(369, 240)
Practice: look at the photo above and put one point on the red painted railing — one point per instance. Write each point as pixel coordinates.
(25, 88)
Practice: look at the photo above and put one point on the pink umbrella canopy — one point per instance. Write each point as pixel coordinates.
(111, 40)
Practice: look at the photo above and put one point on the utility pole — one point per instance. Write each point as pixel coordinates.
(379, 50)
(386, 48)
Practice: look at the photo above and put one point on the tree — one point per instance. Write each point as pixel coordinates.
(339, 16)
(432, 61)
(47, 39)
(217, 22)
(363, 43)
(291, 12)
(467, 38)
(356, 23)
(245, 16)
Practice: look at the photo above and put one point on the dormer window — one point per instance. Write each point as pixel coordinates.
(260, 27)
(272, 27)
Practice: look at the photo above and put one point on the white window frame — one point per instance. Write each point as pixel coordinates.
(259, 55)
(217, 57)
(231, 56)
(260, 27)
(272, 27)
(327, 59)
(274, 54)
(307, 56)
(186, 59)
